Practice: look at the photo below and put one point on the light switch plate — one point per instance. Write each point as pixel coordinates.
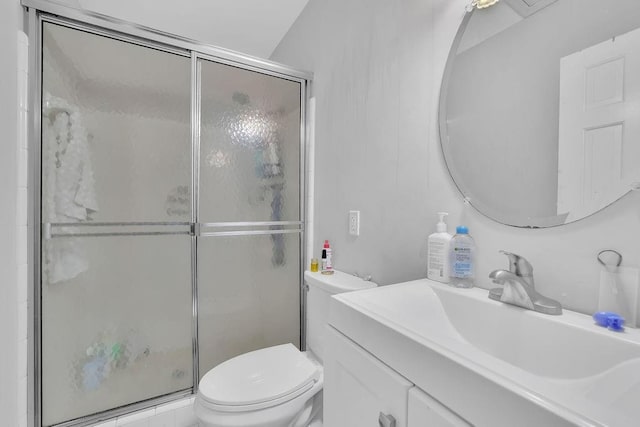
(354, 223)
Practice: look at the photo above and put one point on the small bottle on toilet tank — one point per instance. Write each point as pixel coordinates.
(327, 265)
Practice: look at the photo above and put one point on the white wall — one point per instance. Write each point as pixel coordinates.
(10, 405)
(378, 66)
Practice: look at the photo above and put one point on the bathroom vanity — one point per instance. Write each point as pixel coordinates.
(425, 354)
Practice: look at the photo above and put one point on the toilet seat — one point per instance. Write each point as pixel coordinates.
(259, 379)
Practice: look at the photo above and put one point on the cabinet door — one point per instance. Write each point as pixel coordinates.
(359, 389)
(424, 411)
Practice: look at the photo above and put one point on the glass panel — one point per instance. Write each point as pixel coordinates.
(250, 146)
(116, 130)
(116, 311)
(119, 332)
(248, 295)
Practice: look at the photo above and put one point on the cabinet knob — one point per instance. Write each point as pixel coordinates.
(385, 420)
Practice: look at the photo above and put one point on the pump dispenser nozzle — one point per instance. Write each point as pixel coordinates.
(441, 227)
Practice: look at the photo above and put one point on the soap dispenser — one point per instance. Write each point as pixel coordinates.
(438, 252)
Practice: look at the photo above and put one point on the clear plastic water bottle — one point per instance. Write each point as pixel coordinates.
(462, 259)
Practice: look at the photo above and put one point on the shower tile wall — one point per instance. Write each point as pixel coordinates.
(10, 25)
(22, 235)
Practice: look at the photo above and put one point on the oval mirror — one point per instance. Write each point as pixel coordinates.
(540, 108)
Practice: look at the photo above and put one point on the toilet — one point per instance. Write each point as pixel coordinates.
(277, 386)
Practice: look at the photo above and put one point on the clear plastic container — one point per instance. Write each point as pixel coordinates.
(462, 259)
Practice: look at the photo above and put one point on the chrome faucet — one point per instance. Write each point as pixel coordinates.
(519, 288)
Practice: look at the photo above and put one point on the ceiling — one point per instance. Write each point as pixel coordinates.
(253, 27)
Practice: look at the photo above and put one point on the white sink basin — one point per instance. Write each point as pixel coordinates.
(565, 347)
(565, 364)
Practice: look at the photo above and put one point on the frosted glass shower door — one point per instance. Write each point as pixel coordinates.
(249, 212)
(116, 278)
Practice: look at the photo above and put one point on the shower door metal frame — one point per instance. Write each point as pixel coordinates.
(37, 12)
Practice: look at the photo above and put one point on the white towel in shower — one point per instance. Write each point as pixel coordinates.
(68, 187)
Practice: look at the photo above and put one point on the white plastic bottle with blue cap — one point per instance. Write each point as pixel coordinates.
(462, 259)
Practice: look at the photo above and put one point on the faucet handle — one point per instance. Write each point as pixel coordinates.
(518, 265)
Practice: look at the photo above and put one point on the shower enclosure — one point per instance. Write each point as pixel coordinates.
(169, 190)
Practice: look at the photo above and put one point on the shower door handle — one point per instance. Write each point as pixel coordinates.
(385, 420)
(46, 230)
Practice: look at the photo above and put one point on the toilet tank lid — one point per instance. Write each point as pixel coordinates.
(337, 282)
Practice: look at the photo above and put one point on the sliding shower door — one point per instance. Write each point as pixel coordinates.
(116, 285)
(249, 212)
(171, 219)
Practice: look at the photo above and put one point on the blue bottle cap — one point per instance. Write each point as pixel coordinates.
(608, 319)
(461, 229)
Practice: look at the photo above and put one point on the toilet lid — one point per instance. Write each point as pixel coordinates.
(259, 376)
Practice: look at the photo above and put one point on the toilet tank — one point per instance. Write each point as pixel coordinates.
(321, 287)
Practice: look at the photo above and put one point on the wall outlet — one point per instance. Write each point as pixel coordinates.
(354, 223)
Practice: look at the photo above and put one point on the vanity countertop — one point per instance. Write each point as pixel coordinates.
(496, 364)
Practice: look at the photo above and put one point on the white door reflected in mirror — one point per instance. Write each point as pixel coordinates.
(599, 125)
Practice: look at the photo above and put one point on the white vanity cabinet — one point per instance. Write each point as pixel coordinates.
(361, 391)
(424, 411)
